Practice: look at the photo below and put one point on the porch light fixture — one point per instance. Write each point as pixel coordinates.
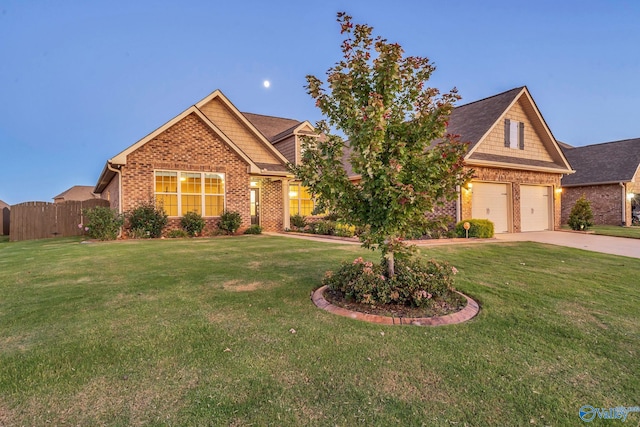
(630, 196)
(558, 190)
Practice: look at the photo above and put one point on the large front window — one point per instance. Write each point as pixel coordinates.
(181, 192)
(300, 201)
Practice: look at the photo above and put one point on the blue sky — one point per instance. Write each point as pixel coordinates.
(80, 81)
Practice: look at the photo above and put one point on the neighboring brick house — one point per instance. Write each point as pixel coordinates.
(211, 158)
(5, 215)
(517, 162)
(78, 193)
(608, 175)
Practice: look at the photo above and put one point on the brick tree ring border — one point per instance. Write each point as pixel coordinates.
(468, 312)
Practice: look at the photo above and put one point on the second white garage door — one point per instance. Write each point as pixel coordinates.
(535, 207)
(491, 201)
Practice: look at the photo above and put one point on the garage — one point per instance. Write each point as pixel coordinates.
(491, 201)
(535, 207)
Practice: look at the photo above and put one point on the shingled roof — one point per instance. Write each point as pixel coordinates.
(273, 128)
(472, 121)
(606, 163)
(77, 193)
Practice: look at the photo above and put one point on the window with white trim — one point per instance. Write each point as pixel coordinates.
(180, 192)
(513, 134)
(300, 200)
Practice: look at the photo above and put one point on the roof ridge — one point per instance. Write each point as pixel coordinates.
(273, 117)
(492, 96)
(608, 142)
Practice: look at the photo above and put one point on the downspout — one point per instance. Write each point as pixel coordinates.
(119, 174)
(458, 204)
(624, 204)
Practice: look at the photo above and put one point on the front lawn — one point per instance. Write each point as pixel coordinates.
(222, 332)
(613, 230)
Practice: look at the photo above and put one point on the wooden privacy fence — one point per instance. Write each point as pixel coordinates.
(40, 220)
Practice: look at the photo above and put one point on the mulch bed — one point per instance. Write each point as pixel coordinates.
(440, 306)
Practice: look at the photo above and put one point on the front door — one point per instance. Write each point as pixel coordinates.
(255, 206)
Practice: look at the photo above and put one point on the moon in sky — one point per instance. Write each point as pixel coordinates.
(266, 83)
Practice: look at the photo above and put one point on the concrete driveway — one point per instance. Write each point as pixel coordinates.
(589, 242)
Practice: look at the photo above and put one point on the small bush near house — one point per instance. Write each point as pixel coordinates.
(230, 222)
(480, 228)
(103, 223)
(147, 221)
(344, 230)
(581, 216)
(254, 229)
(298, 222)
(415, 283)
(177, 234)
(192, 223)
(323, 227)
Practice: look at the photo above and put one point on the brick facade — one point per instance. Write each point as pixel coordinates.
(515, 178)
(190, 146)
(606, 203)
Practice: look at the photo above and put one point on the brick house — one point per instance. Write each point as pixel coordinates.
(608, 175)
(518, 164)
(211, 158)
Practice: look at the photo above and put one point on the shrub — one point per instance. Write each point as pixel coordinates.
(481, 228)
(177, 233)
(323, 227)
(230, 222)
(254, 229)
(192, 223)
(360, 281)
(298, 222)
(415, 283)
(102, 223)
(147, 220)
(581, 216)
(344, 230)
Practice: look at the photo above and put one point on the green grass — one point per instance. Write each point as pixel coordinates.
(616, 231)
(613, 230)
(197, 332)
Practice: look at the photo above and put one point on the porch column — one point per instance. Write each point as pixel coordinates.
(286, 223)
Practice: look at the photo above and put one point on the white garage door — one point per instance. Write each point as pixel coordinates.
(491, 201)
(535, 207)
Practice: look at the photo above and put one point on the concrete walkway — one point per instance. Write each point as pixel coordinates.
(589, 242)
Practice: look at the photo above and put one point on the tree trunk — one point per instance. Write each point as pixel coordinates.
(391, 265)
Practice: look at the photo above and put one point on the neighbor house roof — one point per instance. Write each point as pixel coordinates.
(606, 163)
(4, 205)
(78, 193)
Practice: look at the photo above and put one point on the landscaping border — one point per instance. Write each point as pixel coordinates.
(467, 313)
